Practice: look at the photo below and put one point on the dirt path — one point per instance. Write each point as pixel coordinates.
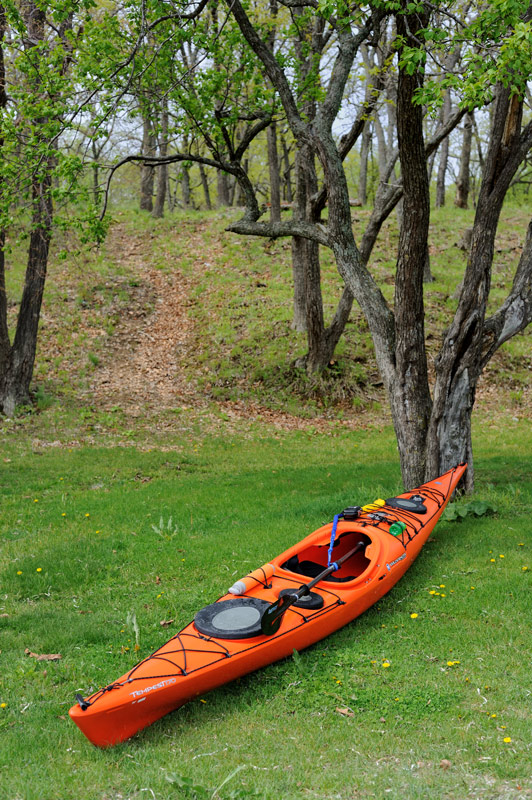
(140, 365)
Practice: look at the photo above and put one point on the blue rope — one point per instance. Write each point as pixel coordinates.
(333, 537)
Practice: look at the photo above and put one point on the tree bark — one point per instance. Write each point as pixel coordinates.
(410, 395)
(463, 182)
(205, 185)
(222, 196)
(17, 361)
(364, 157)
(275, 177)
(162, 171)
(147, 177)
(444, 154)
(288, 194)
(470, 340)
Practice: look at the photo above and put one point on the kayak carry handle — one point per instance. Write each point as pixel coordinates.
(83, 704)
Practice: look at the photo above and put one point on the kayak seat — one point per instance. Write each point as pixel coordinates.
(311, 569)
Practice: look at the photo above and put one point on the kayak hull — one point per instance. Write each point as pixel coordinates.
(192, 663)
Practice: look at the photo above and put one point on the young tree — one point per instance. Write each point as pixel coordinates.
(37, 44)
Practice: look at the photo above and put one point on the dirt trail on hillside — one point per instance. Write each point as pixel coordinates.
(140, 365)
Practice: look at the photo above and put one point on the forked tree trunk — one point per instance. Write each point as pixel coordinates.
(471, 340)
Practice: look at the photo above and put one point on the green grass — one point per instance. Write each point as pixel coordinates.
(83, 527)
(104, 516)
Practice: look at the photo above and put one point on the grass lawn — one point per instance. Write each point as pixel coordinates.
(92, 535)
(119, 514)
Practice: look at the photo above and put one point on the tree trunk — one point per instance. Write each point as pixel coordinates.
(465, 352)
(185, 187)
(146, 172)
(464, 178)
(205, 186)
(222, 198)
(162, 170)
(364, 157)
(299, 260)
(275, 178)
(444, 154)
(288, 194)
(410, 395)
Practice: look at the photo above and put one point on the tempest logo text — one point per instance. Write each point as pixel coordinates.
(396, 561)
(160, 685)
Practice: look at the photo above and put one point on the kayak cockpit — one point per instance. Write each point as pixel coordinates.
(313, 559)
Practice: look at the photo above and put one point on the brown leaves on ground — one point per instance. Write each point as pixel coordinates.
(43, 656)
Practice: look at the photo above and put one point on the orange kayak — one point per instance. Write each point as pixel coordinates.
(226, 639)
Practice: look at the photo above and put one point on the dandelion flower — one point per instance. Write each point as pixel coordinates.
(442, 586)
(432, 591)
(492, 560)
(507, 739)
(414, 616)
(525, 569)
(87, 515)
(385, 664)
(19, 572)
(39, 569)
(501, 556)
(3, 705)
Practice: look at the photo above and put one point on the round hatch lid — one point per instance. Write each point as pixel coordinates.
(238, 618)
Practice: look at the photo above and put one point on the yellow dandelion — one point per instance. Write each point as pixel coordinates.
(385, 664)
(507, 739)
(492, 560)
(442, 586)
(501, 556)
(39, 569)
(443, 594)
(87, 515)
(36, 500)
(414, 616)
(63, 514)
(521, 544)
(19, 572)
(432, 591)
(3, 705)
(450, 663)
(494, 716)
(525, 569)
